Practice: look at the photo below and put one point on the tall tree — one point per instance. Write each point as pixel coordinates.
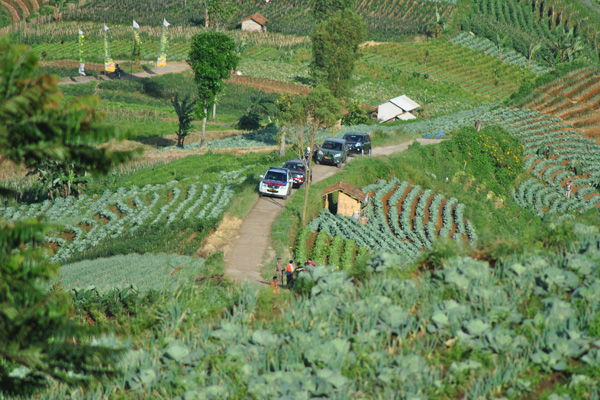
(335, 50)
(38, 338)
(321, 110)
(286, 118)
(324, 9)
(212, 56)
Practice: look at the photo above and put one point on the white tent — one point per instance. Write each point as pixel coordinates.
(397, 108)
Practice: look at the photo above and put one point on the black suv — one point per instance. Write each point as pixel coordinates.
(359, 143)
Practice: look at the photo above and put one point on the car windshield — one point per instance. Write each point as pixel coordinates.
(332, 145)
(294, 167)
(353, 138)
(275, 176)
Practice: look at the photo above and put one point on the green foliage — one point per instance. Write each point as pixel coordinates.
(5, 19)
(184, 111)
(493, 155)
(320, 107)
(39, 339)
(249, 121)
(356, 115)
(212, 57)
(325, 9)
(335, 51)
(320, 248)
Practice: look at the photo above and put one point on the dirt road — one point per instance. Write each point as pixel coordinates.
(170, 68)
(250, 250)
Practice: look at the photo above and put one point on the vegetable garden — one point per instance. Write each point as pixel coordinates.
(87, 221)
(574, 98)
(554, 153)
(443, 61)
(402, 219)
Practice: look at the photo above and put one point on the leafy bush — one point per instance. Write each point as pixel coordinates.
(493, 154)
(249, 121)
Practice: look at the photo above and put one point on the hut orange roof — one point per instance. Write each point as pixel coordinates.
(256, 17)
(348, 189)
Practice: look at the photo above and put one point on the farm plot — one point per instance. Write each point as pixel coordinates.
(403, 219)
(468, 330)
(574, 98)
(143, 271)
(86, 221)
(488, 47)
(384, 19)
(554, 153)
(445, 62)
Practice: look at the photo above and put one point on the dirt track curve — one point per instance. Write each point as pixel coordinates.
(253, 239)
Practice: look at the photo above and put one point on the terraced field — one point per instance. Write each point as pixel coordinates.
(88, 220)
(574, 98)
(450, 63)
(403, 219)
(555, 152)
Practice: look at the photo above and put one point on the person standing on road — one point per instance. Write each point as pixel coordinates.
(279, 269)
(568, 189)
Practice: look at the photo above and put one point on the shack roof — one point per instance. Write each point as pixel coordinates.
(405, 103)
(256, 17)
(348, 189)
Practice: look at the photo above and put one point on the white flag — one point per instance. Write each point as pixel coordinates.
(165, 23)
(80, 32)
(135, 25)
(105, 27)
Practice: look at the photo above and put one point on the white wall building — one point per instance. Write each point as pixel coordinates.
(254, 23)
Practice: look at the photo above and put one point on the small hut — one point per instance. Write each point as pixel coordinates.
(350, 200)
(397, 108)
(254, 23)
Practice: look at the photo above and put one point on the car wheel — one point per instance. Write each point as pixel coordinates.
(339, 165)
(369, 153)
(362, 152)
(318, 162)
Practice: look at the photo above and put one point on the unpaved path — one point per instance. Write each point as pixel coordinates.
(253, 239)
(170, 68)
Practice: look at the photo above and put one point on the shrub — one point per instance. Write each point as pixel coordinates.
(492, 154)
(249, 121)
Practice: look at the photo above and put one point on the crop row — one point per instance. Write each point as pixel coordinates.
(403, 327)
(445, 62)
(89, 220)
(488, 47)
(555, 153)
(409, 221)
(337, 252)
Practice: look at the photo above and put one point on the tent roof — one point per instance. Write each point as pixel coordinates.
(256, 17)
(406, 116)
(348, 189)
(405, 103)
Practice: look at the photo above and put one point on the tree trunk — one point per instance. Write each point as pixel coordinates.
(214, 112)
(206, 15)
(203, 125)
(307, 180)
(282, 144)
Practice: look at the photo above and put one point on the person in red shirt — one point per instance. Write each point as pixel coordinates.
(274, 285)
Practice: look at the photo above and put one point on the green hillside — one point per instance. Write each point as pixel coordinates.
(472, 270)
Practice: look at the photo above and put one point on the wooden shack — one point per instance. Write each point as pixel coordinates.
(350, 200)
(254, 23)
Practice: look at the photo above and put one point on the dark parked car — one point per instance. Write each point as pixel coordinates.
(298, 170)
(333, 151)
(359, 143)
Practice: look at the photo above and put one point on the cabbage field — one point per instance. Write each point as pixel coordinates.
(469, 329)
(403, 219)
(87, 221)
(144, 272)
